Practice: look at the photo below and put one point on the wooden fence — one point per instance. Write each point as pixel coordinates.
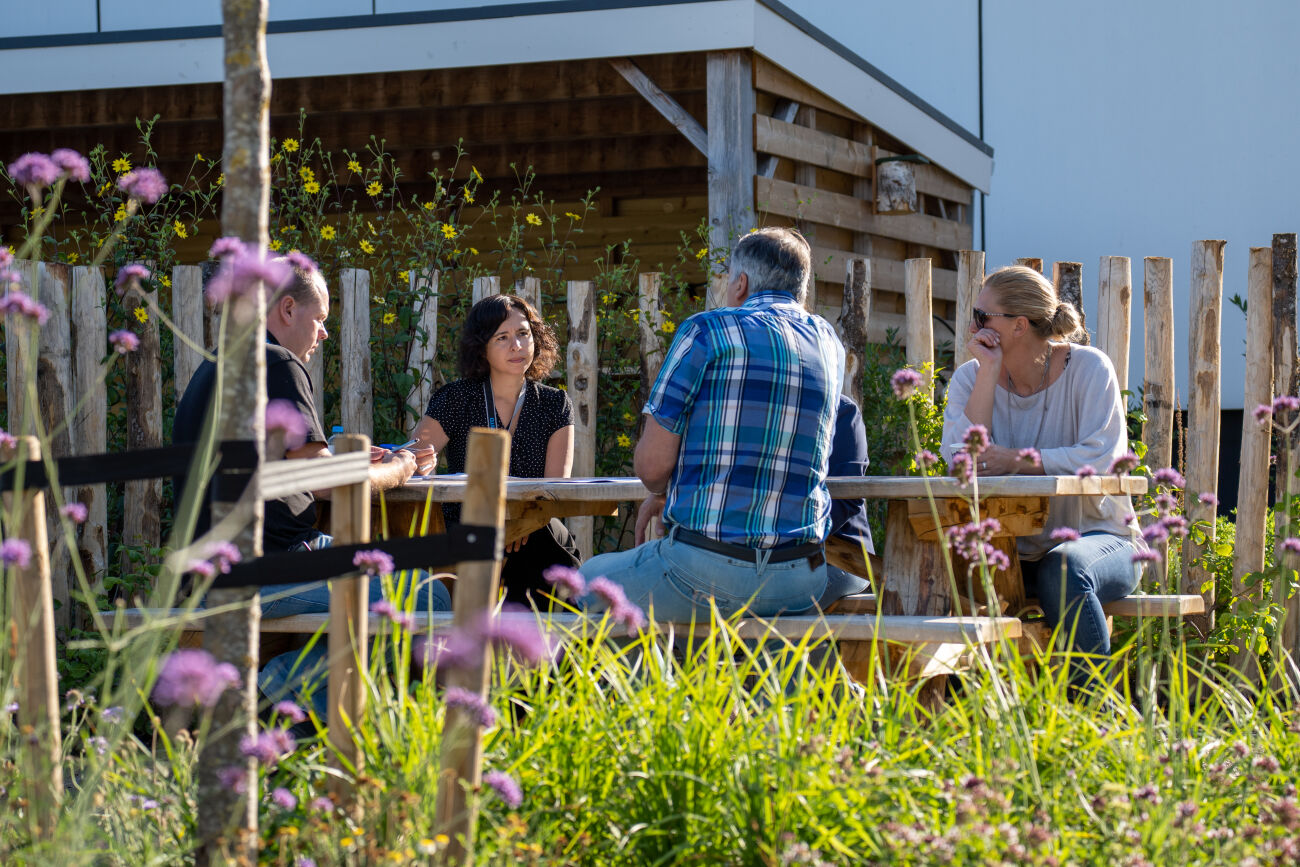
(72, 346)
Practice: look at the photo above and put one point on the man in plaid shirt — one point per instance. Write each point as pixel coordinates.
(735, 451)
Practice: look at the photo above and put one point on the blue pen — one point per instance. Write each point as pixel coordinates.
(404, 445)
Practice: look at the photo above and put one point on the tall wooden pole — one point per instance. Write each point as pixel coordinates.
(1203, 351)
(423, 354)
(55, 401)
(90, 425)
(227, 822)
(730, 96)
(920, 324)
(854, 316)
(970, 280)
(1286, 380)
(651, 324)
(584, 373)
(355, 380)
(1114, 303)
(1158, 390)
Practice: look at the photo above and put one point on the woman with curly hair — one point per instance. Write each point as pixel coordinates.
(505, 351)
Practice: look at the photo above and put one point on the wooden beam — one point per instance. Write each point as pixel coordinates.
(887, 275)
(785, 111)
(731, 146)
(770, 78)
(663, 103)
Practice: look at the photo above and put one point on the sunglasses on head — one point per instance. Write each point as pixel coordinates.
(981, 317)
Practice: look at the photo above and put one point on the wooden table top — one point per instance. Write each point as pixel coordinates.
(451, 489)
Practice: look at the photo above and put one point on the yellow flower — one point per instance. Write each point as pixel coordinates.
(121, 165)
(429, 206)
(346, 842)
(311, 187)
(389, 318)
(606, 298)
(469, 197)
(374, 188)
(473, 251)
(166, 281)
(354, 167)
(327, 232)
(448, 230)
(198, 158)
(669, 326)
(289, 831)
(624, 440)
(221, 179)
(73, 257)
(562, 386)
(275, 245)
(404, 276)
(533, 220)
(120, 215)
(291, 144)
(179, 228)
(108, 185)
(38, 210)
(371, 227)
(702, 252)
(141, 315)
(284, 229)
(473, 173)
(306, 174)
(275, 158)
(628, 417)
(367, 247)
(571, 215)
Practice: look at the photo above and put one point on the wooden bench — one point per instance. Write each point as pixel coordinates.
(1137, 605)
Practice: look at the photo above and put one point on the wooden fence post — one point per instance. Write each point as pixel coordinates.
(187, 314)
(1252, 487)
(855, 314)
(316, 372)
(729, 81)
(1158, 366)
(1286, 380)
(1067, 277)
(90, 425)
(55, 401)
(349, 625)
(970, 280)
(485, 286)
(583, 374)
(1036, 264)
(37, 674)
(142, 519)
(651, 324)
(1114, 302)
(476, 593)
(354, 352)
(717, 295)
(1203, 417)
(530, 289)
(423, 355)
(920, 324)
(22, 342)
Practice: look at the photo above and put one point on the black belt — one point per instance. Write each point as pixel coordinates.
(783, 554)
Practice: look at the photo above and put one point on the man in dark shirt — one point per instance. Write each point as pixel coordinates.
(849, 542)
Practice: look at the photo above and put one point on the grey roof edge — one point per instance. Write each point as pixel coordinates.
(511, 10)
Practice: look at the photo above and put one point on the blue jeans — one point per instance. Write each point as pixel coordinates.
(1075, 578)
(675, 582)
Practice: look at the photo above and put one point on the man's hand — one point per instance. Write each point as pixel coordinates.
(651, 507)
(426, 458)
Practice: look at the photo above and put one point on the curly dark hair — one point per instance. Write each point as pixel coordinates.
(485, 318)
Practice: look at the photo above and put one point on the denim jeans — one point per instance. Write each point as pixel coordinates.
(674, 581)
(1075, 578)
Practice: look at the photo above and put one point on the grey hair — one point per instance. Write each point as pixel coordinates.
(775, 260)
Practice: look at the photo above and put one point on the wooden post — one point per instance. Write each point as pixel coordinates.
(717, 296)
(855, 314)
(1203, 417)
(349, 647)
(530, 290)
(1036, 264)
(187, 314)
(1286, 380)
(142, 519)
(22, 341)
(731, 106)
(55, 401)
(90, 425)
(354, 352)
(476, 593)
(485, 286)
(583, 374)
(1114, 300)
(925, 591)
(227, 820)
(1068, 279)
(1252, 488)
(32, 624)
(1158, 390)
(970, 280)
(422, 359)
(920, 324)
(651, 324)
(316, 372)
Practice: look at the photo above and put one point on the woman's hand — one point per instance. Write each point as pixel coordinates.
(516, 545)
(1002, 461)
(651, 507)
(985, 346)
(426, 457)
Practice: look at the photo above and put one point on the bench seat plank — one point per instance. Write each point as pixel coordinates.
(1138, 605)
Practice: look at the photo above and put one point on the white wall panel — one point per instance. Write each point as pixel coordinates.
(152, 14)
(47, 17)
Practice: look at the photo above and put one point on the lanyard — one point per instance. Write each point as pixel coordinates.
(491, 406)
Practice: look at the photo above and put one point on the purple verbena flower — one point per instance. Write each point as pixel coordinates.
(7, 440)
(517, 631)
(76, 512)
(191, 678)
(620, 609)
(113, 714)
(22, 304)
(505, 787)
(73, 164)
(301, 262)
(472, 704)
(1124, 463)
(245, 271)
(1156, 532)
(305, 861)
(568, 582)
(228, 246)
(926, 459)
(1168, 476)
(322, 804)
(1065, 534)
(962, 466)
(234, 778)
(202, 568)
(1146, 556)
(384, 608)
(1031, 456)
(269, 746)
(100, 744)
(976, 439)
(283, 416)
(1290, 544)
(1175, 525)
(224, 555)
(1166, 503)
(282, 797)
(905, 382)
(1263, 413)
(290, 711)
(1209, 498)
(374, 562)
(1085, 472)
(1285, 402)
(447, 650)
(16, 552)
(147, 185)
(130, 275)
(124, 341)
(997, 558)
(34, 170)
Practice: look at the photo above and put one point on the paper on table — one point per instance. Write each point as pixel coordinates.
(452, 476)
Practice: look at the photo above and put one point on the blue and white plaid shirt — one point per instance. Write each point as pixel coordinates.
(752, 392)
